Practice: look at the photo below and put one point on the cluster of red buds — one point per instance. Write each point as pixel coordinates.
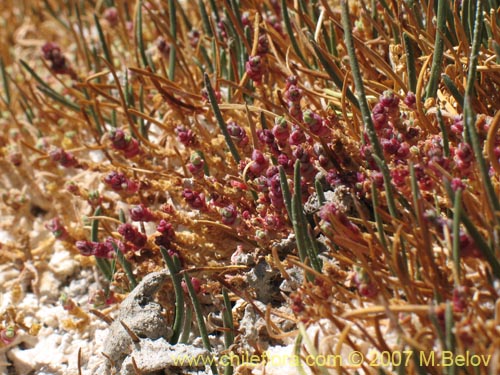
(262, 45)
(254, 67)
(464, 156)
(281, 131)
(124, 142)
(185, 136)
(366, 287)
(259, 163)
(307, 169)
(99, 249)
(196, 164)
(330, 211)
(8, 334)
(141, 213)
(64, 158)
(273, 21)
(386, 117)
(58, 63)
(316, 124)
(195, 282)
(111, 16)
(119, 182)
(229, 214)
(460, 298)
(56, 227)
(100, 298)
(204, 95)
(221, 28)
(132, 235)
(237, 134)
(196, 200)
(167, 234)
(292, 97)
(163, 47)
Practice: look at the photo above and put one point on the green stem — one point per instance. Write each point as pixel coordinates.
(289, 30)
(173, 31)
(446, 143)
(285, 191)
(482, 245)
(102, 264)
(320, 192)
(227, 316)
(186, 329)
(449, 335)
(333, 71)
(378, 219)
(199, 318)
(437, 58)
(365, 111)
(179, 295)
(139, 33)
(205, 19)
(46, 89)
(126, 266)
(102, 39)
(5, 82)
(220, 119)
(450, 85)
(410, 63)
(457, 208)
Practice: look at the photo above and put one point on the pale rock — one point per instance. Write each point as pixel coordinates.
(63, 264)
(49, 286)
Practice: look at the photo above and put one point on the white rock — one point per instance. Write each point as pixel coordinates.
(44, 354)
(63, 263)
(49, 285)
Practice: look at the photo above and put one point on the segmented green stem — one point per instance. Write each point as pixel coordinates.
(102, 264)
(127, 267)
(444, 132)
(46, 89)
(227, 316)
(179, 295)
(333, 71)
(450, 85)
(204, 17)
(470, 132)
(186, 328)
(199, 318)
(449, 335)
(437, 58)
(305, 241)
(285, 191)
(220, 119)
(5, 80)
(138, 35)
(173, 31)
(410, 62)
(289, 31)
(483, 246)
(55, 14)
(365, 111)
(320, 192)
(378, 219)
(457, 212)
(102, 39)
